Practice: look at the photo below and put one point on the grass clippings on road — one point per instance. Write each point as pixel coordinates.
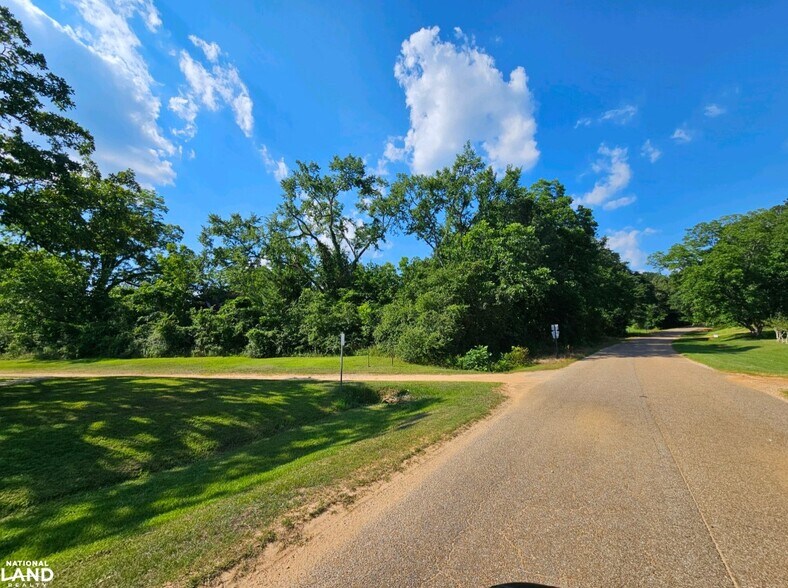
(146, 482)
(734, 350)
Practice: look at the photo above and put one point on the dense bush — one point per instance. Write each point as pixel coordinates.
(478, 359)
(261, 343)
(223, 331)
(518, 356)
(164, 337)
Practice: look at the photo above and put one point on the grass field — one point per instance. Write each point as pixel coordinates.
(144, 482)
(217, 366)
(204, 366)
(733, 350)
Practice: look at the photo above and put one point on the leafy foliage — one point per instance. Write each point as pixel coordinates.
(312, 229)
(35, 138)
(66, 301)
(653, 307)
(733, 270)
(477, 359)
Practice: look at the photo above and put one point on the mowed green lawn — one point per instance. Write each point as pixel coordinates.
(199, 366)
(733, 350)
(143, 482)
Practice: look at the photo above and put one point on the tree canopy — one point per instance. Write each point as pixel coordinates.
(36, 139)
(733, 270)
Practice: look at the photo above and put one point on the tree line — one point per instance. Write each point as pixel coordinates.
(91, 268)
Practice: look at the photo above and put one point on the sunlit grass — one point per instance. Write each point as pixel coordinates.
(638, 332)
(734, 350)
(140, 481)
(300, 365)
(197, 366)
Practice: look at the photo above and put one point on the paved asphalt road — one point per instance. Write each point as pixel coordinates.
(635, 467)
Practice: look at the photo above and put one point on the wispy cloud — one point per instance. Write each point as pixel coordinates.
(121, 88)
(617, 175)
(277, 168)
(619, 116)
(650, 152)
(713, 110)
(117, 95)
(682, 135)
(221, 85)
(212, 50)
(454, 94)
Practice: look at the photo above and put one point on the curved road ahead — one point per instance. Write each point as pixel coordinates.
(634, 467)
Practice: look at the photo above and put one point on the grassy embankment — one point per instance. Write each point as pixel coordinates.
(144, 482)
(734, 350)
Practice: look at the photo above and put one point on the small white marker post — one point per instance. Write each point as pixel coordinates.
(554, 333)
(341, 357)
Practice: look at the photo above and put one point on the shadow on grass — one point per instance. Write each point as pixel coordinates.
(690, 346)
(118, 510)
(63, 436)
(665, 344)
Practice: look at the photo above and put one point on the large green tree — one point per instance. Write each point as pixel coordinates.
(508, 260)
(653, 305)
(436, 207)
(37, 142)
(733, 270)
(317, 233)
(114, 244)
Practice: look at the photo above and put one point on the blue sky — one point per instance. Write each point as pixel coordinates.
(658, 115)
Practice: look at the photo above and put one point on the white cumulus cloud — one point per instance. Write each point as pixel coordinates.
(650, 152)
(627, 244)
(617, 174)
(455, 94)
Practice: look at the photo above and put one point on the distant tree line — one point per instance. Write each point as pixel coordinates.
(89, 267)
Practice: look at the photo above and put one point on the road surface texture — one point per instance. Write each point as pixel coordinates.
(634, 467)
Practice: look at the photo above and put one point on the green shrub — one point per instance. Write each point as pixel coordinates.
(477, 359)
(261, 343)
(518, 356)
(223, 331)
(164, 337)
(321, 319)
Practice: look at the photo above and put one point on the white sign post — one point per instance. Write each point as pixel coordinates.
(341, 357)
(554, 332)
